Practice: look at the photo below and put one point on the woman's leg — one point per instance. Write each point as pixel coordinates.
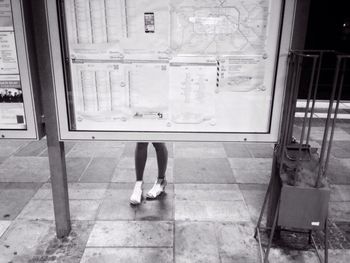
(162, 158)
(140, 162)
(140, 159)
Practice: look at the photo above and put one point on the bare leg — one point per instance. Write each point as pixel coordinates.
(140, 159)
(162, 158)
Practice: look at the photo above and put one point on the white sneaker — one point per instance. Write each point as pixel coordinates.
(157, 189)
(136, 196)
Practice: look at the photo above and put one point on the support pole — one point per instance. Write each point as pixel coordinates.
(55, 147)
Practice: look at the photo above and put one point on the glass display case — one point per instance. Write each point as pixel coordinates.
(209, 70)
(20, 116)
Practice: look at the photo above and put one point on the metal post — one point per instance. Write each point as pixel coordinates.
(55, 147)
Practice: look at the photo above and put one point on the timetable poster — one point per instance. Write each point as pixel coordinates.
(172, 65)
(11, 95)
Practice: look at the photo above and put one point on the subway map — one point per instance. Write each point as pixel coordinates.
(216, 27)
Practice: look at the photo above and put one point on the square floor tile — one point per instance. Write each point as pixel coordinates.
(339, 211)
(99, 170)
(82, 191)
(130, 255)
(236, 242)
(209, 170)
(43, 210)
(236, 150)
(207, 192)
(131, 234)
(127, 175)
(97, 149)
(129, 150)
(68, 146)
(241, 164)
(14, 197)
(75, 168)
(252, 176)
(9, 147)
(23, 238)
(200, 152)
(233, 211)
(260, 150)
(25, 169)
(254, 197)
(196, 242)
(32, 149)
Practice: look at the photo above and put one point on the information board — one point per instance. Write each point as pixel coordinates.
(19, 103)
(11, 98)
(170, 66)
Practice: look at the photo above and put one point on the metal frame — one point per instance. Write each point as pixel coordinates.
(26, 64)
(286, 138)
(286, 20)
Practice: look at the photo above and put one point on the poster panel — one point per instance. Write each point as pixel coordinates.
(11, 96)
(181, 66)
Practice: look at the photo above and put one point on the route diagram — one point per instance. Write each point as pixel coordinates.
(218, 27)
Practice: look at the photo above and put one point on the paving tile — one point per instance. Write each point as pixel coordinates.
(339, 211)
(99, 170)
(130, 255)
(340, 193)
(161, 209)
(236, 150)
(14, 197)
(97, 149)
(23, 238)
(68, 146)
(338, 171)
(127, 175)
(116, 204)
(76, 167)
(4, 226)
(43, 210)
(236, 242)
(260, 150)
(129, 150)
(200, 152)
(9, 147)
(196, 242)
(233, 211)
(278, 255)
(207, 192)
(254, 195)
(82, 191)
(34, 148)
(209, 170)
(341, 149)
(25, 169)
(151, 163)
(69, 249)
(131, 234)
(252, 176)
(242, 164)
(339, 134)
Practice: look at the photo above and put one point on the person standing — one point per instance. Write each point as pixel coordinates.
(140, 163)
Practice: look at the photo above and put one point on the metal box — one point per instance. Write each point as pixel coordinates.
(303, 207)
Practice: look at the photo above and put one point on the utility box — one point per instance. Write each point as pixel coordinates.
(20, 111)
(303, 207)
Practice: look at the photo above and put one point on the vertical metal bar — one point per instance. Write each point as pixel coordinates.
(295, 97)
(55, 147)
(335, 117)
(314, 97)
(326, 241)
(325, 135)
(305, 117)
(272, 232)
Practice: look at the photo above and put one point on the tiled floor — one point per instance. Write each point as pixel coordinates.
(213, 199)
